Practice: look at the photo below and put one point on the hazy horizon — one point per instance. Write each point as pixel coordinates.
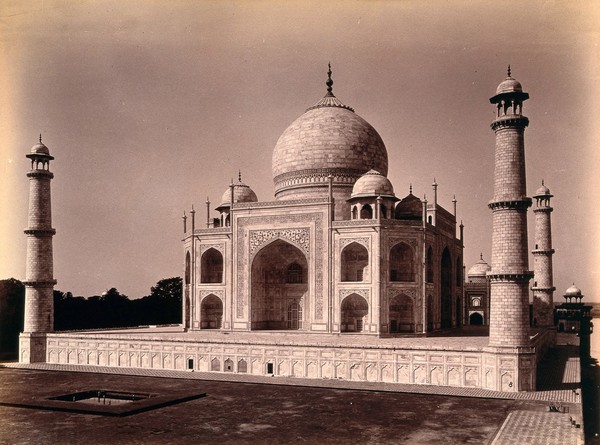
(149, 107)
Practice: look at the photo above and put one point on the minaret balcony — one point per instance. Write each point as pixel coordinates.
(511, 204)
(542, 251)
(510, 121)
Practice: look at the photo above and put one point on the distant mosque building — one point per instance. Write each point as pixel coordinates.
(337, 278)
(477, 294)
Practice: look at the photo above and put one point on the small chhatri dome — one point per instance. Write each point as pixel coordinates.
(479, 269)
(371, 184)
(241, 193)
(409, 208)
(573, 291)
(40, 148)
(509, 85)
(543, 191)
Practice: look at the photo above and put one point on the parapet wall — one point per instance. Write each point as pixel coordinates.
(442, 366)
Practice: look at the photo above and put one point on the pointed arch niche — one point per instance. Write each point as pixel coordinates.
(279, 287)
(401, 314)
(211, 312)
(355, 263)
(211, 266)
(354, 311)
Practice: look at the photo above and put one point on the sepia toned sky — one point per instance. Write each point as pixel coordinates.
(151, 106)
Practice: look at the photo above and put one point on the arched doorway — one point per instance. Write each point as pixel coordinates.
(211, 266)
(279, 287)
(211, 312)
(446, 290)
(475, 319)
(354, 310)
(401, 316)
(355, 259)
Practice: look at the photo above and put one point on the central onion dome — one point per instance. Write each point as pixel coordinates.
(328, 139)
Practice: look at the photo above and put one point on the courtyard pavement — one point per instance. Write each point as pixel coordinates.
(558, 383)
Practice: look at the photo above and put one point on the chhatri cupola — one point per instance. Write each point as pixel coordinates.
(240, 193)
(329, 139)
(372, 197)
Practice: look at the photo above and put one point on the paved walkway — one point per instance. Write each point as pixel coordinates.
(558, 384)
(536, 428)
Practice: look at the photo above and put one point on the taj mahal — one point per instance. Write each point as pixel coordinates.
(340, 276)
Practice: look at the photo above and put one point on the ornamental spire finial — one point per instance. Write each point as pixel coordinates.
(240, 175)
(40, 138)
(481, 256)
(329, 82)
(508, 71)
(410, 189)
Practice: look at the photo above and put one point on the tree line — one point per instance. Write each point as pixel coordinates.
(109, 310)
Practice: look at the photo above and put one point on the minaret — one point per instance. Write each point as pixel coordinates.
(543, 289)
(510, 275)
(39, 275)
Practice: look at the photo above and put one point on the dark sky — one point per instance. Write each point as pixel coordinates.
(151, 106)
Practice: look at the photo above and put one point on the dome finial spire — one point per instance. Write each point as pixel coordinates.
(410, 189)
(481, 256)
(329, 82)
(508, 71)
(40, 138)
(240, 175)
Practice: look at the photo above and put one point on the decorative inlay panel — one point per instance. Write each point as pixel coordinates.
(218, 293)
(395, 240)
(205, 247)
(345, 241)
(392, 292)
(343, 293)
(298, 237)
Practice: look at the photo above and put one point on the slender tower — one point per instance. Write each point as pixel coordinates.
(39, 274)
(543, 289)
(510, 275)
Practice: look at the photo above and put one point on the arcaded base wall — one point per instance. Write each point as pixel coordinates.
(468, 367)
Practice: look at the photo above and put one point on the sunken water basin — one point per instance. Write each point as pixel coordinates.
(106, 402)
(103, 397)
